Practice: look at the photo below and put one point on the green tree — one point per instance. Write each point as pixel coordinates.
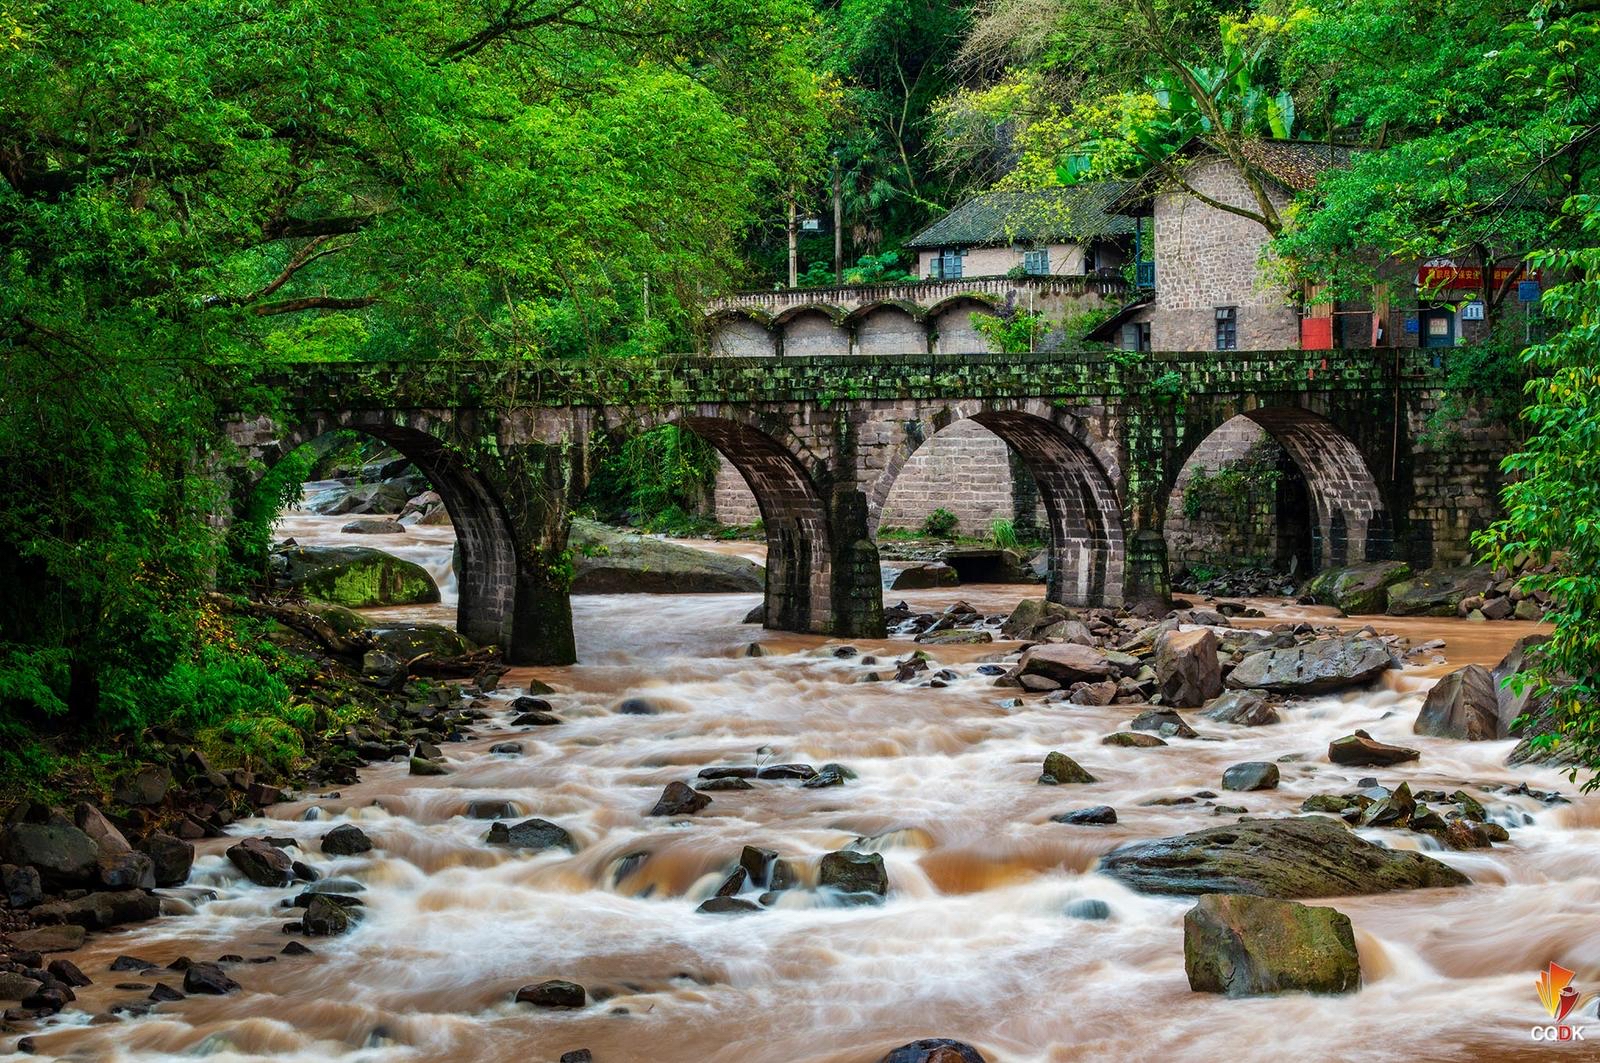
(1552, 500)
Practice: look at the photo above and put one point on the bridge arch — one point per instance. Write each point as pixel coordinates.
(814, 563)
(889, 327)
(1350, 520)
(950, 323)
(813, 329)
(487, 582)
(1076, 474)
(741, 332)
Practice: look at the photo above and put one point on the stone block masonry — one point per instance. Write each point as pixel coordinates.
(824, 440)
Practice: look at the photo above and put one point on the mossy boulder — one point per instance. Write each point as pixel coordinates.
(1303, 857)
(1249, 946)
(1358, 589)
(1438, 591)
(407, 642)
(355, 576)
(609, 561)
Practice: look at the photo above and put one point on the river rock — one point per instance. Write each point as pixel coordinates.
(407, 642)
(146, 787)
(924, 577)
(327, 915)
(1437, 591)
(356, 576)
(262, 863)
(1066, 663)
(63, 855)
(860, 876)
(934, 1050)
(1032, 614)
(424, 766)
(373, 526)
(1309, 856)
(346, 839)
(15, 986)
(1248, 708)
(1132, 740)
(1061, 769)
(64, 938)
(1462, 705)
(553, 993)
(513, 749)
(1187, 671)
(1251, 775)
(1098, 815)
(127, 871)
(21, 886)
(93, 822)
(1362, 749)
(722, 905)
(1249, 946)
(609, 561)
(208, 978)
(1164, 722)
(172, 857)
(1315, 668)
(1358, 589)
(679, 799)
(534, 834)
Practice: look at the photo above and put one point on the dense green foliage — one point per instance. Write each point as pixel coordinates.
(189, 183)
(1553, 501)
(655, 480)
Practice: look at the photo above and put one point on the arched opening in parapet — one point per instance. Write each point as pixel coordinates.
(785, 510)
(740, 333)
(813, 330)
(951, 326)
(888, 328)
(1062, 486)
(1280, 491)
(404, 494)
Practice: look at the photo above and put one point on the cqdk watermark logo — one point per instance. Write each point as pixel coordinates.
(1559, 996)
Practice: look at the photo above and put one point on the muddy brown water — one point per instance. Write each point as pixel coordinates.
(975, 941)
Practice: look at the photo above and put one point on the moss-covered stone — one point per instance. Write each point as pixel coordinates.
(1438, 591)
(1249, 946)
(1358, 589)
(356, 577)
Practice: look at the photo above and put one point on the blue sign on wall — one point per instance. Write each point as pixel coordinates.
(1527, 291)
(1411, 326)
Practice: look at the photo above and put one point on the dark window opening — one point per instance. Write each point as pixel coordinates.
(1227, 328)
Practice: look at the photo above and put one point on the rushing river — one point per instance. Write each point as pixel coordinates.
(975, 942)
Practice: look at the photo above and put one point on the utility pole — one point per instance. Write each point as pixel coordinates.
(794, 245)
(838, 224)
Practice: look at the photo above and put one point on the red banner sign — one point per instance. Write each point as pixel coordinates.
(1447, 276)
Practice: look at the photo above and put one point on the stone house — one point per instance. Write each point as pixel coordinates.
(1205, 276)
(1053, 232)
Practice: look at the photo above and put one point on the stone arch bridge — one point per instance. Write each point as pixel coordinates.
(820, 440)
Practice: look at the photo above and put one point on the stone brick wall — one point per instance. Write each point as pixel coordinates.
(1262, 532)
(1455, 484)
(731, 500)
(890, 330)
(742, 338)
(966, 469)
(814, 333)
(1208, 258)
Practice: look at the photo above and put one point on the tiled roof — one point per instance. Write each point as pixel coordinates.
(1051, 215)
(1294, 164)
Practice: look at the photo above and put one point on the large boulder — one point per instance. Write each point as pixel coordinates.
(1315, 668)
(1187, 669)
(262, 862)
(1066, 663)
(389, 496)
(1249, 946)
(407, 642)
(609, 561)
(172, 857)
(1358, 589)
(356, 576)
(346, 839)
(1033, 614)
(536, 834)
(1248, 708)
(925, 577)
(1362, 750)
(1462, 705)
(934, 1050)
(1437, 591)
(98, 911)
(63, 855)
(1514, 703)
(679, 799)
(1311, 856)
(860, 876)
